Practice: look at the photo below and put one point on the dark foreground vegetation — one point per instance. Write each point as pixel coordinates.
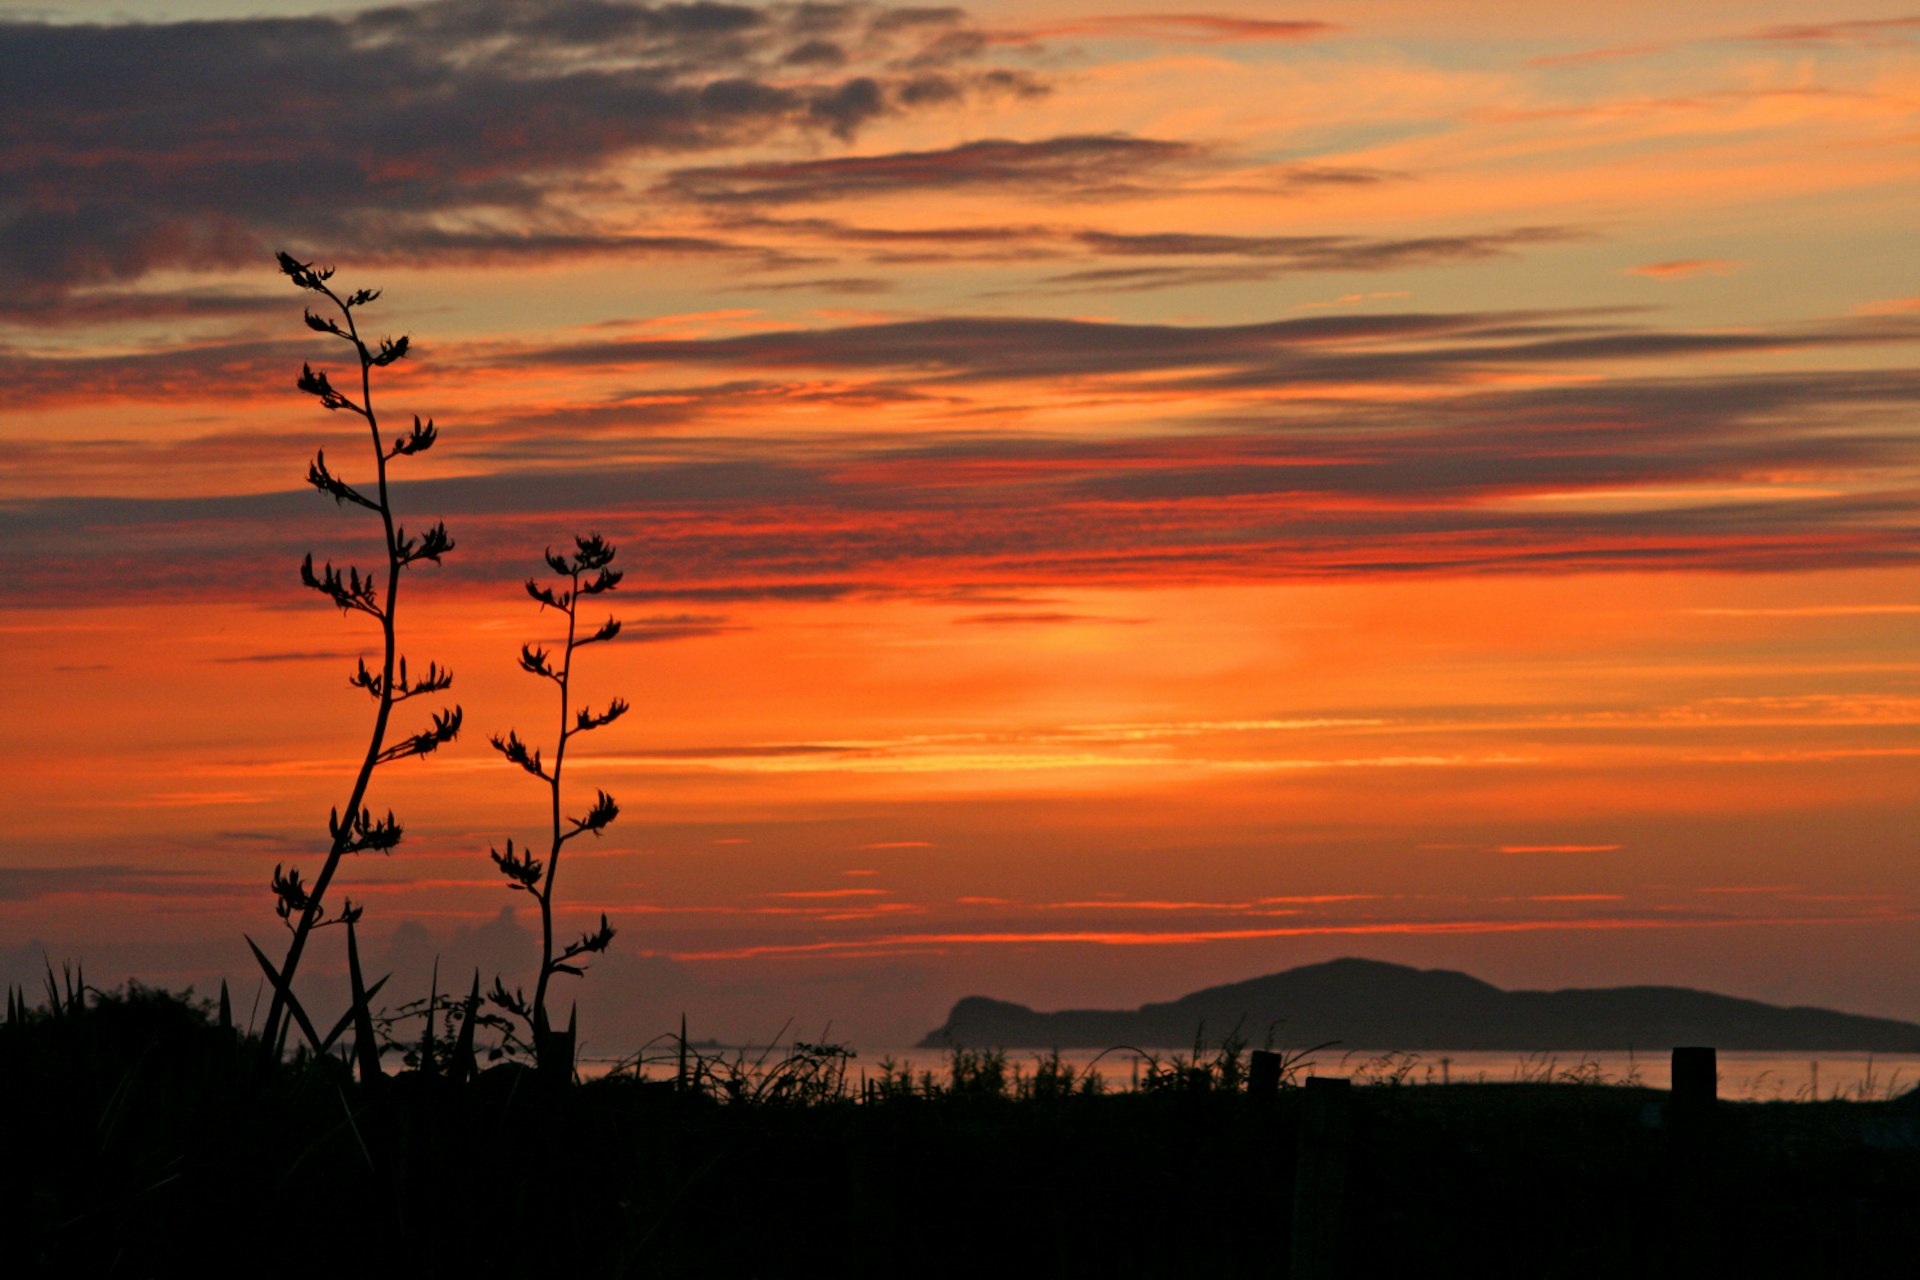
(142, 1137)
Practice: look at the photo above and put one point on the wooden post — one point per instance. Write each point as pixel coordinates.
(1690, 1123)
(1320, 1181)
(1696, 1079)
(1263, 1076)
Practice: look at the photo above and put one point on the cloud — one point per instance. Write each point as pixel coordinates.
(978, 347)
(300, 655)
(1174, 936)
(676, 626)
(30, 884)
(1859, 32)
(1086, 166)
(1037, 619)
(1188, 28)
(1681, 268)
(1184, 257)
(1354, 349)
(201, 371)
(117, 306)
(1487, 449)
(463, 129)
(1559, 848)
(1277, 255)
(851, 285)
(1877, 32)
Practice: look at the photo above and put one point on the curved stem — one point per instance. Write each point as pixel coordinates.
(310, 917)
(540, 1024)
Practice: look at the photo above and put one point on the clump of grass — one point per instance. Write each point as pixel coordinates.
(445, 1042)
(1053, 1077)
(805, 1073)
(1223, 1068)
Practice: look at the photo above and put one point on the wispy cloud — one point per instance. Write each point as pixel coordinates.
(28, 884)
(1080, 167)
(1868, 31)
(1195, 28)
(1559, 848)
(1194, 937)
(1682, 268)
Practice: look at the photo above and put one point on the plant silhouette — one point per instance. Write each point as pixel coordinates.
(354, 828)
(587, 573)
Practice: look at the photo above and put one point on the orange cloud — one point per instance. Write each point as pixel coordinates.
(1559, 848)
(1682, 268)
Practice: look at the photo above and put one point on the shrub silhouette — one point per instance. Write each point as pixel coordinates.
(354, 828)
(587, 573)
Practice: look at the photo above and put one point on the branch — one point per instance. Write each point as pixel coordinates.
(594, 552)
(547, 597)
(445, 728)
(316, 384)
(589, 942)
(608, 630)
(418, 441)
(606, 580)
(523, 870)
(322, 324)
(350, 593)
(586, 720)
(430, 546)
(516, 753)
(371, 681)
(514, 1002)
(304, 274)
(361, 831)
(433, 681)
(326, 482)
(534, 662)
(290, 894)
(598, 818)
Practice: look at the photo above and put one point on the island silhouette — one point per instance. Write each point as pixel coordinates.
(1375, 1005)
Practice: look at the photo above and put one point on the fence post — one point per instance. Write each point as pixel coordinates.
(1263, 1075)
(1691, 1104)
(1320, 1180)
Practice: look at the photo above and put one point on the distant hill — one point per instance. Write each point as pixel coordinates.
(1369, 1004)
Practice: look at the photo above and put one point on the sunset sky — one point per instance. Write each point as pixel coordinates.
(1113, 501)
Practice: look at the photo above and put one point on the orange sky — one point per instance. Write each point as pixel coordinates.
(1112, 501)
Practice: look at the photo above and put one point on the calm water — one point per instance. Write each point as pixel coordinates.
(1745, 1076)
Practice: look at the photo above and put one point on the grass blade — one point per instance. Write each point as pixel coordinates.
(462, 1065)
(286, 994)
(433, 1006)
(365, 1048)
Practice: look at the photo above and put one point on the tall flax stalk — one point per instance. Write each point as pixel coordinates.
(587, 574)
(300, 908)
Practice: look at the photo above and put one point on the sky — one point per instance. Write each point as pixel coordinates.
(1112, 500)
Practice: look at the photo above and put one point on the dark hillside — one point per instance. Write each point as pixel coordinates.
(1371, 1004)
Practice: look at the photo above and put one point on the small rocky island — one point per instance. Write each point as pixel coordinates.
(1369, 1004)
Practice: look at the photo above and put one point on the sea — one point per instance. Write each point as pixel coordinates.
(1743, 1076)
